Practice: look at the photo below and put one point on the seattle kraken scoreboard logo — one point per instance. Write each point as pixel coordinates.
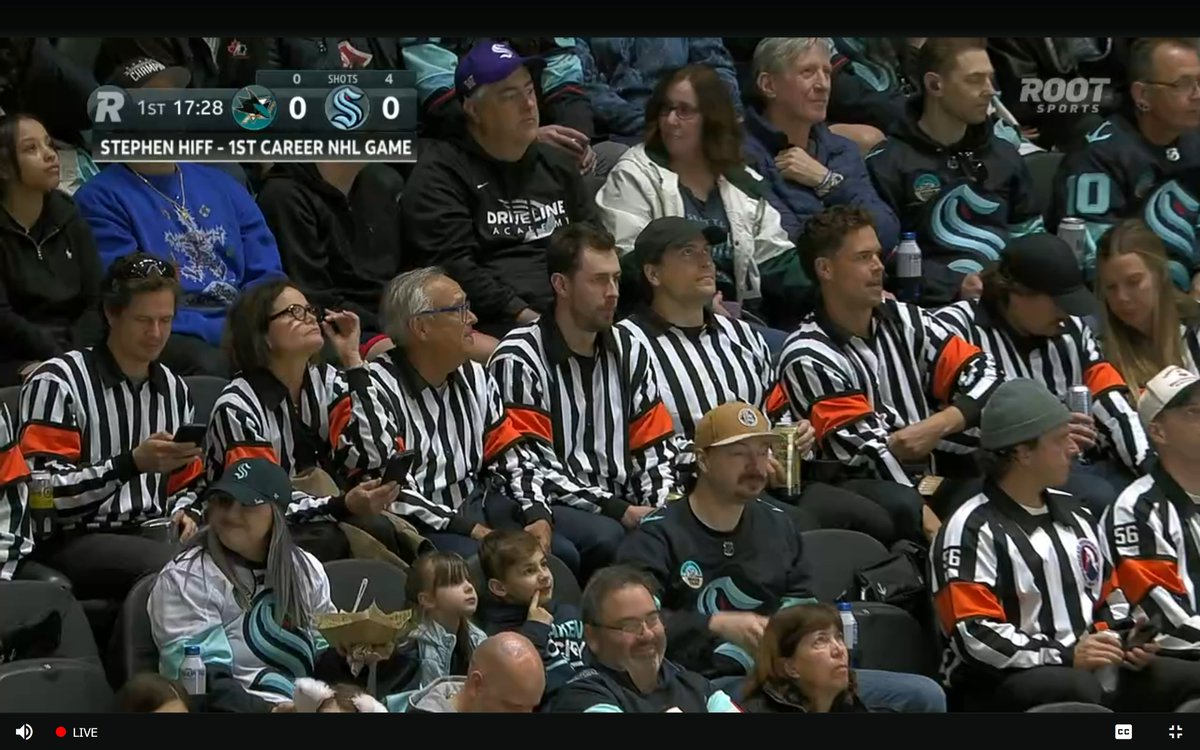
(347, 107)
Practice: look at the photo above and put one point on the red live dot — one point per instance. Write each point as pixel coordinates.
(61, 731)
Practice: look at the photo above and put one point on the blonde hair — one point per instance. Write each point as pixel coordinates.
(1136, 356)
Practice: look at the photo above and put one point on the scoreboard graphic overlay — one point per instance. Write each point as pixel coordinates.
(286, 115)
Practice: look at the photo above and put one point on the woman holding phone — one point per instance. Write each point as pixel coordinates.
(323, 425)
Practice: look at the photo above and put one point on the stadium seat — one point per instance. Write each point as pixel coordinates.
(205, 390)
(11, 396)
(1043, 165)
(61, 686)
(833, 556)
(893, 640)
(133, 649)
(1069, 708)
(1189, 707)
(26, 603)
(385, 584)
(566, 588)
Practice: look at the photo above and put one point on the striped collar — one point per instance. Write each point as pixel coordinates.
(270, 391)
(993, 319)
(1171, 490)
(111, 374)
(409, 377)
(882, 313)
(648, 318)
(557, 351)
(1060, 505)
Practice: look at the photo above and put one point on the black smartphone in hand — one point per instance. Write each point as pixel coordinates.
(191, 433)
(1142, 635)
(399, 467)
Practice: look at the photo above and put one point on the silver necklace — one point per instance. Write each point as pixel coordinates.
(180, 206)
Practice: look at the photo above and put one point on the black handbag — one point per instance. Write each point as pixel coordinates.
(899, 580)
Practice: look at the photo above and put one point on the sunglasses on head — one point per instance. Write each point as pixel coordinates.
(143, 268)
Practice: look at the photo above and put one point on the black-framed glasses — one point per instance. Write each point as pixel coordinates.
(1185, 85)
(634, 625)
(682, 110)
(298, 312)
(462, 310)
(144, 267)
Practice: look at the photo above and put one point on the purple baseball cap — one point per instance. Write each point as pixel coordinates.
(489, 61)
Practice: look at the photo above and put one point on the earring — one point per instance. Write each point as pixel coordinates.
(1143, 107)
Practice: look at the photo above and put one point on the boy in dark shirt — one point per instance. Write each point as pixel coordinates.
(522, 583)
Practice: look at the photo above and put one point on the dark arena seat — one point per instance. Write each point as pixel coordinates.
(385, 584)
(65, 686)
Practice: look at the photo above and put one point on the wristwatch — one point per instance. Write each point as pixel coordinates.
(831, 181)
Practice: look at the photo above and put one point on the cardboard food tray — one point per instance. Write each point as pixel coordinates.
(368, 627)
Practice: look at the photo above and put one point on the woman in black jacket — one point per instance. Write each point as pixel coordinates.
(802, 665)
(49, 268)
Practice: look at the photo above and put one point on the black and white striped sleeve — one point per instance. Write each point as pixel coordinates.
(16, 532)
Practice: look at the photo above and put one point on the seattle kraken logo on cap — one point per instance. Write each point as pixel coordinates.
(347, 107)
(254, 108)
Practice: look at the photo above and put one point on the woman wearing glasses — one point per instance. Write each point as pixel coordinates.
(1148, 322)
(802, 665)
(690, 165)
(1145, 161)
(325, 426)
(49, 269)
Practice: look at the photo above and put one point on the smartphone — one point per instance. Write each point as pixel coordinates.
(399, 467)
(191, 433)
(1140, 636)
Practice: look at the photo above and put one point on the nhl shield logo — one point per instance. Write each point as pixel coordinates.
(1089, 561)
(926, 187)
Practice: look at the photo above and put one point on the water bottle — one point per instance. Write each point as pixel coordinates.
(849, 631)
(1109, 674)
(908, 269)
(192, 673)
(41, 504)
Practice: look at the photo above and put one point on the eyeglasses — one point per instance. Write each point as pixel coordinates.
(298, 312)
(634, 625)
(682, 111)
(142, 268)
(1185, 85)
(463, 311)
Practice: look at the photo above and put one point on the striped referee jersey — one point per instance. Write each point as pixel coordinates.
(856, 391)
(1152, 540)
(1016, 587)
(699, 369)
(460, 431)
(16, 533)
(81, 418)
(1072, 358)
(602, 415)
(339, 425)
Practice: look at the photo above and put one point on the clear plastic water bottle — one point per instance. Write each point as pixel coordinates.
(908, 269)
(1109, 674)
(192, 673)
(849, 631)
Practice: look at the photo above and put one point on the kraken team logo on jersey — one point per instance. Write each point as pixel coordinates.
(1172, 213)
(952, 221)
(723, 595)
(287, 652)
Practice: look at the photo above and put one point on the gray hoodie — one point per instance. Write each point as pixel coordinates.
(437, 697)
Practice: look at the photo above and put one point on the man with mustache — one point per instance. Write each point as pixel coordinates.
(587, 391)
(626, 669)
(724, 561)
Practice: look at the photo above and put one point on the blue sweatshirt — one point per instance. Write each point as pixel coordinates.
(796, 203)
(232, 250)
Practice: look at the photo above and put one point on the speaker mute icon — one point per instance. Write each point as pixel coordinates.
(24, 731)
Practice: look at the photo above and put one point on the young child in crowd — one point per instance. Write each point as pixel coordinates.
(316, 697)
(520, 579)
(151, 693)
(442, 600)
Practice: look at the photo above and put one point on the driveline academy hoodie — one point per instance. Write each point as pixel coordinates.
(488, 222)
(340, 250)
(561, 645)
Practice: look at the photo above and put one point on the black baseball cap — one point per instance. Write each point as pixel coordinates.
(667, 232)
(255, 481)
(136, 73)
(1044, 263)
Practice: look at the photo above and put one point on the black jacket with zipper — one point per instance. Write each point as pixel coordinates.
(49, 285)
(340, 250)
(488, 222)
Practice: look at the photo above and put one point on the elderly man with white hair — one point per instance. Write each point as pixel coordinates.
(473, 469)
(808, 168)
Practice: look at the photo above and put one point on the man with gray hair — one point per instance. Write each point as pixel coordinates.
(471, 459)
(807, 167)
(483, 206)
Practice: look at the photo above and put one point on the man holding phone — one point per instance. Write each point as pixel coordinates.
(1023, 593)
(104, 424)
(1151, 533)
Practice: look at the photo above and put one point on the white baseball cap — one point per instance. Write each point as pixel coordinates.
(1163, 389)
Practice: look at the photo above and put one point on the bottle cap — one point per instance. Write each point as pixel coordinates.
(191, 650)
(908, 235)
(844, 606)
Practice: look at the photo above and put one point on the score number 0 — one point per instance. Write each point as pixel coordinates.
(298, 107)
